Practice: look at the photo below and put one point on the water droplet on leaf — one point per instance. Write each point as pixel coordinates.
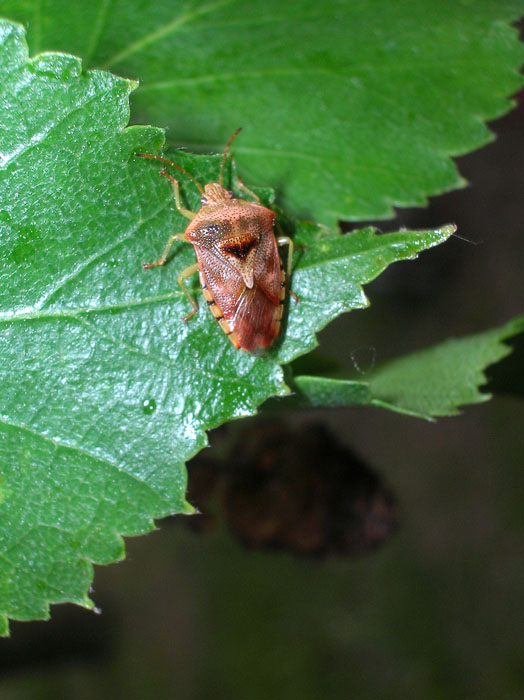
(149, 406)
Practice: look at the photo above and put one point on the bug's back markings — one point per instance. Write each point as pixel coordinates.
(241, 274)
(239, 250)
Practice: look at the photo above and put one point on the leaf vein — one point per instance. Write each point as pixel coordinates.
(65, 444)
(10, 317)
(170, 28)
(38, 139)
(234, 379)
(44, 301)
(97, 31)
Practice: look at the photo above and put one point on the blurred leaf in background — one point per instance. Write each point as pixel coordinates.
(348, 108)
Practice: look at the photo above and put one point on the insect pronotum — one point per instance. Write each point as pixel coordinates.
(241, 274)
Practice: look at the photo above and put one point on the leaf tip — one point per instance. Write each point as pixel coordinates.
(4, 625)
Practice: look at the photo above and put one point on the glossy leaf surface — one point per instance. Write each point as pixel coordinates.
(348, 108)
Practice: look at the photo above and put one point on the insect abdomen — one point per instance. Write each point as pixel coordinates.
(217, 313)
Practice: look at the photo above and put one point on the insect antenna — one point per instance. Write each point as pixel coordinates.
(170, 162)
(226, 151)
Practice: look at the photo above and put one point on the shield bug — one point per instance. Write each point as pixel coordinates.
(241, 274)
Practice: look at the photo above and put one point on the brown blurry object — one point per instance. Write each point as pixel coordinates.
(292, 488)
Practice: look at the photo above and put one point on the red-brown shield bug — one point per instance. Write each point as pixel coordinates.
(241, 274)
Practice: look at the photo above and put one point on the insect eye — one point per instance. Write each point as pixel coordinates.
(212, 230)
(231, 193)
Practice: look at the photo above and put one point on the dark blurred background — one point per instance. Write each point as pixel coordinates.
(386, 565)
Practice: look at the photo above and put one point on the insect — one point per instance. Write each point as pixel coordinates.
(241, 274)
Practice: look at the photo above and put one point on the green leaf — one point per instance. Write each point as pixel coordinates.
(429, 383)
(331, 393)
(106, 392)
(350, 108)
(331, 270)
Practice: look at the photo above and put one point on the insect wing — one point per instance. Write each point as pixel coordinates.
(250, 316)
(267, 267)
(223, 283)
(257, 320)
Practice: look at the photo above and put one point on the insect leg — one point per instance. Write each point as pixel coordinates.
(181, 277)
(162, 259)
(245, 189)
(285, 240)
(185, 212)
